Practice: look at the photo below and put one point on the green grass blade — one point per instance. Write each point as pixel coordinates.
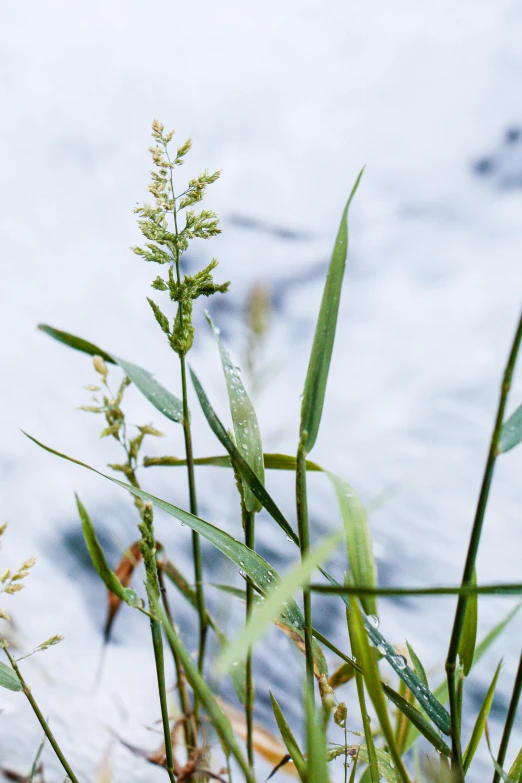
(468, 638)
(271, 462)
(361, 650)
(418, 720)
(276, 603)
(111, 581)
(511, 434)
(426, 699)
(9, 678)
(358, 539)
(289, 740)
(247, 474)
(219, 720)
(165, 402)
(316, 741)
(246, 426)
(515, 772)
(320, 357)
(417, 665)
(480, 724)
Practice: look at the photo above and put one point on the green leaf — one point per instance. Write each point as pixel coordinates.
(426, 699)
(511, 434)
(246, 426)
(418, 720)
(480, 723)
(276, 603)
(515, 772)
(238, 672)
(271, 462)
(111, 581)
(358, 539)
(9, 678)
(247, 474)
(319, 365)
(219, 720)
(417, 665)
(316, 741)
(262, 574)
(361, 650)
(163, 400)
(289, 740)
(468, 637)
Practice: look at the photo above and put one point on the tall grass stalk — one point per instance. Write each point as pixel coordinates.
(510, 721)
(304, 546)
(471, 557)
(43, 723)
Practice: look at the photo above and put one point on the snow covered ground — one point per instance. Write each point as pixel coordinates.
(290, 99)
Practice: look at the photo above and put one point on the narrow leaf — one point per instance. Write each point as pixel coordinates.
(358, 539)
(480, 723)
(511, 434)
(317, 375)
(163, 400)
(271, 462)
(246, 426)
(9, 678)
(124, 572)
(515, 772)
(276, 603)
(418, 720)
(218, 718)
(417, 665)
(109, 578)
(468, 637)
(289, 740)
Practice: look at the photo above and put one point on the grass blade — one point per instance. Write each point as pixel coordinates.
(289, 740)
(418, 720)
(111, 581)
(276, 602)
(358, 539)
(218, 718)
(320, 357)
(247, 474)
(316, 741)
(246, 426)
(468, 638)
(9, 678)
(511, 434)
(163, 400)
(361, 650)
(417, 665)
(480, 724)
(271, 462)
(515, 772)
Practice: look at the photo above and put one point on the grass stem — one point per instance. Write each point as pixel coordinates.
(304, 545)
(473, 546)
(43, 723)
(510, 720)
(249, 525)
(157, 644)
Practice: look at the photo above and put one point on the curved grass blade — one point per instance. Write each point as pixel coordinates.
(426, 699)
(358, 539)
(124, 572)
(362, 651)
(468, 637)
(9, 678)
(417, 665)
(247, 474)
(289, 740)
(418, 720)
(515, 772)
(511, 434)
(322, 348)
(276, 603)
(161, 398)
(111, 581)
(386, 768)
(262, 574)
(246, 426)
(218, 718)
(480, 723)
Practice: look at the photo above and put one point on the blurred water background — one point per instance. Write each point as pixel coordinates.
(290, 100)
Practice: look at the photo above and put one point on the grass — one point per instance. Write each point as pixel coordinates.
(405, 712)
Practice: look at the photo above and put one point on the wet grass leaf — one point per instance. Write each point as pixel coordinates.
(165, 402)
(418, 720)
(417, 665)
(322, 348)
(246, 426)
(511, 434)
(289, 739)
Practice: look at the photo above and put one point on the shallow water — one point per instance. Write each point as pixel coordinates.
(290, 103)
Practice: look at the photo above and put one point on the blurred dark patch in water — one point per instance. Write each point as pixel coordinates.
(504, 166)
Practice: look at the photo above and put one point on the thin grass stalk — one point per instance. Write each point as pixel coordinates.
(184, 701)
(249, 525)
(304, 545)
(473, 546)
(157, 644)
(510, 720)
(43, 723)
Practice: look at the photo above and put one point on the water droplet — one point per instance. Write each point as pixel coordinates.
(382, 649)
(245, 446)
(218, 331)
(270, 573)
(373, 620)
(241, 562)
(242, 573)
(288, 538)
(182, 524)
(400, 661)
